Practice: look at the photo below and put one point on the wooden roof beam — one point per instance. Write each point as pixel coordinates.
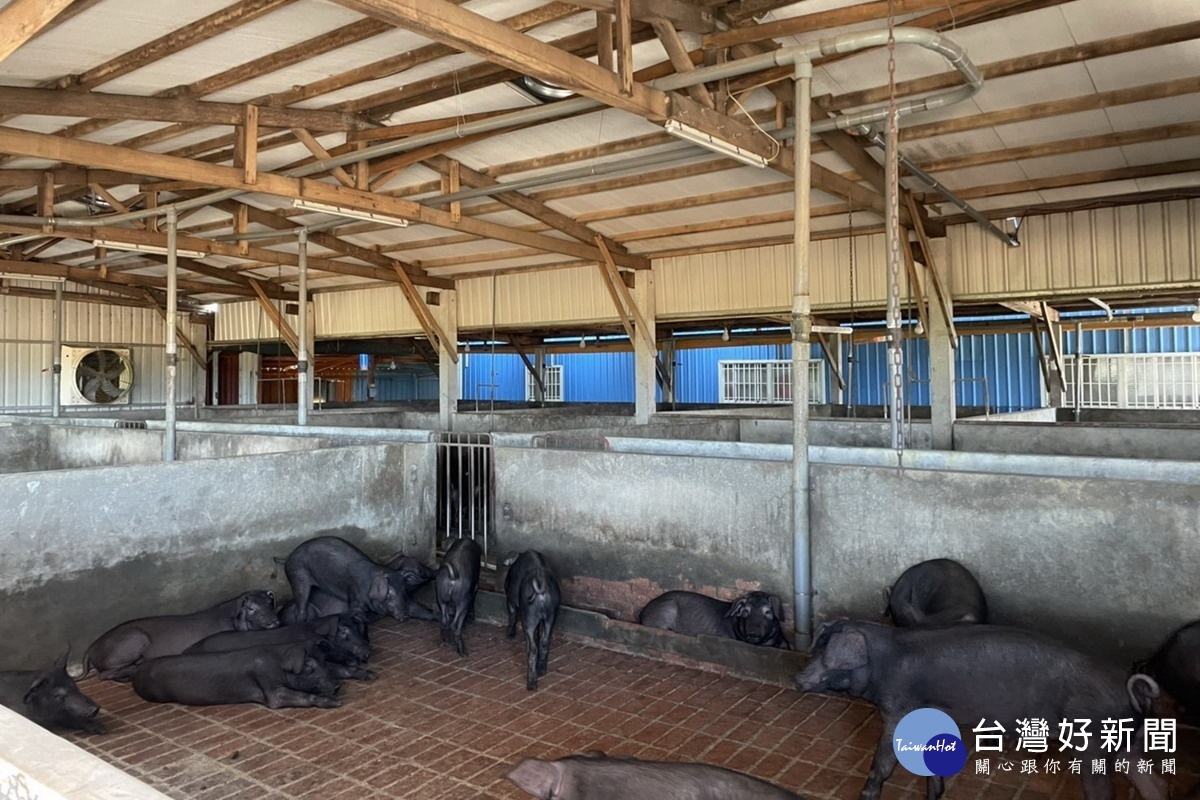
(63, 103)
(472, 33)
(42, 145)
(683, 16)
(21, 20)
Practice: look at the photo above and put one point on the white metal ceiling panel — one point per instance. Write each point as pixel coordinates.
(1037, 131)
(1168, 111)
(1072, 163)
(1054, 83)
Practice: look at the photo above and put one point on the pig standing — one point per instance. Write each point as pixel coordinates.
(598, 777)
(457, 583)
(119, 651)
(973, 673)
(936, 593)
(279, 676)
(753, 618)
(50, 698)
(532, 593)
(341, 570)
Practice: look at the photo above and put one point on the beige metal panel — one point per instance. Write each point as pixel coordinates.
(759, 280)
(363, 312)
(1142, 247)
(552, 296)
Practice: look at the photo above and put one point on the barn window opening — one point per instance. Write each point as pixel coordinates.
(1127, 380)
(552, 377)
(767, 381)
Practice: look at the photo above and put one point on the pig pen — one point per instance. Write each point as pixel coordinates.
(1073, 547)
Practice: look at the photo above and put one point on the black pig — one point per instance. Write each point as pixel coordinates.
(599, 777)
(340, 640)
(973, 673)
(533, 594)
(279, 676)
(50, 698)
(119, 651)
(934, 594)
(457, 583)
(754, 617)
(341, 570)
(1176, 667)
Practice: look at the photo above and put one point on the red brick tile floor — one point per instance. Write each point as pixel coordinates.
(439, 727)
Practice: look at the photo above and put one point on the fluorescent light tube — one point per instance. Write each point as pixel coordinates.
(710, 142)
(38, 278)
(145, 248)
(350, 213)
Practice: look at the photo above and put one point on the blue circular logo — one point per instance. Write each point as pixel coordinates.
(927, 742)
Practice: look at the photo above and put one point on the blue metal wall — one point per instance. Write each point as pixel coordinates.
(997, 370)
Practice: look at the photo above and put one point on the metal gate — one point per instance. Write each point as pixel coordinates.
(465, 487)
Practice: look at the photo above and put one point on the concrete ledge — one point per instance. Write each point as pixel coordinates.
(38, 764)
(710, 653)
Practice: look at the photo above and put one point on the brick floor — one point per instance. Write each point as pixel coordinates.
(438, 727)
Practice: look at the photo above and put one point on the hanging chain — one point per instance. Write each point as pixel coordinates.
(896, 354)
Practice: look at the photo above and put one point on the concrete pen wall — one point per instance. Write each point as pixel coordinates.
(82, 550)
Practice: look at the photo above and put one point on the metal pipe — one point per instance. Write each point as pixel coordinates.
(801, 334)
(172, 356)
(56, 370)
(1078, 371)
(303, 373)
(1009, 239)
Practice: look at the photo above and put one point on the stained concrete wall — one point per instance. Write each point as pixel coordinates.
(621, 528)
(1109, 440)
(35, 448)
(836, 432)
(82, 550)
(1102, 564)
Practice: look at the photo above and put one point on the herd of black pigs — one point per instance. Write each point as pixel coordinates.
(940, 652)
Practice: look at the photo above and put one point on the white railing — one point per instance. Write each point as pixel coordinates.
(1126, 380)
(767, 381)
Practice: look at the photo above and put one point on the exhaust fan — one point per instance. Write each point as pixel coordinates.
(96, 375)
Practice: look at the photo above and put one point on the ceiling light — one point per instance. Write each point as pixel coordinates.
(350, 213)
(39, 278)
(542, 91)
(710, 142)
(1196, 313)
(725, 334)
(145, 248)
(582, 343)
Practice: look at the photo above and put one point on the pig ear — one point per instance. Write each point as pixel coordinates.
(776, 607)
(846, 650)
(293, 660)
(887, 599)
(61, 663)
(740, 608)
(539, 778)
(38, 683)
(379, 589)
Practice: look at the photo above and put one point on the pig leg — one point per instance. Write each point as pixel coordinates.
(456, 627)
(531, 656)
(353, 673)
(302, 586)
(283, 697)
(512, 620)
(884, 762)
(126, 656)
(544, 642)
(934, 786)
(418, 611)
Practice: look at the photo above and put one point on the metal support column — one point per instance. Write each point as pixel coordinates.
(172, 356)
(801, 334)
(303, 368)
(56, 370)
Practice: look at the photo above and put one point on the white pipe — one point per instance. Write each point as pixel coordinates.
(304, 385)
(801, 332)
(172, 356)
(56, 381)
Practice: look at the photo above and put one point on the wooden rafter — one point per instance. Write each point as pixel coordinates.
(21, 20)
(183, 337)
(281, 324)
